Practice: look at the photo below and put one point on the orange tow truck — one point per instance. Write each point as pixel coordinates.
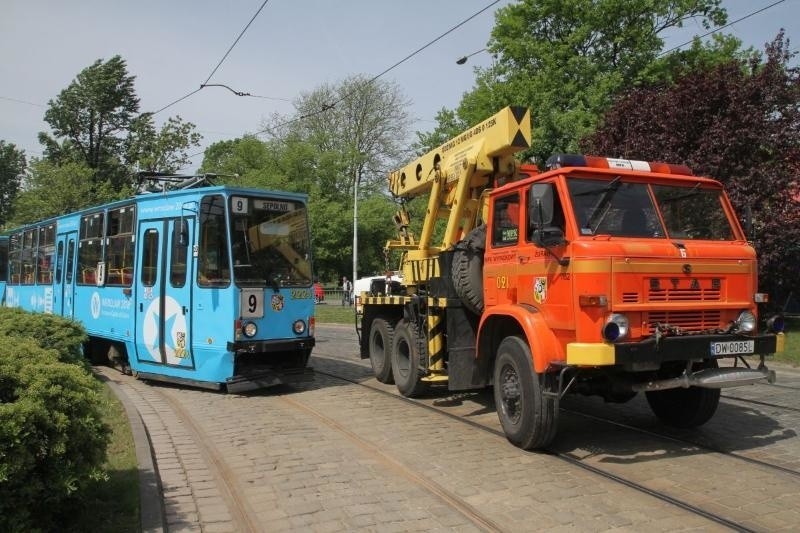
(595, 276)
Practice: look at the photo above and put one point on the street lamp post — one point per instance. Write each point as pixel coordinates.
(355, 232)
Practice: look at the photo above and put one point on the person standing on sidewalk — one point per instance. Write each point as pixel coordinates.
(347, 291)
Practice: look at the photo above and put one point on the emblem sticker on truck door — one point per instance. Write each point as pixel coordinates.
(540, 290)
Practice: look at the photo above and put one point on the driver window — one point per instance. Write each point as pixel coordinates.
(505, 221)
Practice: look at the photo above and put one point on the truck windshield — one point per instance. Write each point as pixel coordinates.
(625, 209)
(616, 207)
(270, 243)
(693, 212)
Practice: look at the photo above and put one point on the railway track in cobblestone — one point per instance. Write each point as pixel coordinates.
(672, 493)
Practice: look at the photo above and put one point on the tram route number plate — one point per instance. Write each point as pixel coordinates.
(732, 348)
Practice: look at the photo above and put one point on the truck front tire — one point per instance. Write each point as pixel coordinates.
(528, 415)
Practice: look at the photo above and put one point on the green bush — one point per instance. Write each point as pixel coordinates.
(52, 439)
(50, 331)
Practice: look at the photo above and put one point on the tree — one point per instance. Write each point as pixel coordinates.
(739, 123)
(12, 165)
(566, 59)
(160, 151)
(53, 190)
(93, 116)
(344, 135)
(96, 121)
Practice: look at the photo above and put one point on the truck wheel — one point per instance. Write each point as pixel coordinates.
(685, 408)
(380, 346)
(467, 269)
(528, 415)
(405, 361)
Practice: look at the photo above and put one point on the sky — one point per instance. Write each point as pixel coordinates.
(292, 47)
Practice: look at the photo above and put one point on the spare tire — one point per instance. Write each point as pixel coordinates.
(467, 269)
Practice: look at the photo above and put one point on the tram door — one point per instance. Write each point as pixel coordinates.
(163, 292)
(64, 279)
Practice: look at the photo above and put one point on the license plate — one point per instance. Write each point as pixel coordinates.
(732, 347)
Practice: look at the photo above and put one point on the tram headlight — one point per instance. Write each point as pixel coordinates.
(616, 327)
(299, 327)
(250, 329)
(746, 322)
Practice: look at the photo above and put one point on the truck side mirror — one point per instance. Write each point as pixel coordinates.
(748, 223)
(540, 213)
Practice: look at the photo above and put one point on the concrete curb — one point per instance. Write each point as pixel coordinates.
(151, 500)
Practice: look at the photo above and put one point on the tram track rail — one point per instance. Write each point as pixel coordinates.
(565, 457)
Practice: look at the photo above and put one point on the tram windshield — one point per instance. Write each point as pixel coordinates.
(270, 242)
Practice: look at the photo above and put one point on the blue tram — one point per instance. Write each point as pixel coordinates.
(203, 285)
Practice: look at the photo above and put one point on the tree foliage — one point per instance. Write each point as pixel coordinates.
(739, 123)
(566, 59)
(92, 116)
(53, 189)
(96, 124)
(12, 166)
(344, 135)
(164, 150)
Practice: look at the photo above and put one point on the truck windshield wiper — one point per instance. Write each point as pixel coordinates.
(692, 192)
(603, 204)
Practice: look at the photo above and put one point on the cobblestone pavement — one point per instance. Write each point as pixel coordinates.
(335, 456)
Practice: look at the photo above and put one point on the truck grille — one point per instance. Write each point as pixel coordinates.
(683, 295)
(686, 320)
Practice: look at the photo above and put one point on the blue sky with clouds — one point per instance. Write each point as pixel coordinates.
(292, 47)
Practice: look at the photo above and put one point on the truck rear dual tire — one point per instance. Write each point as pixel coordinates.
(526, 411)
(467, 269)
(406, 361)
(381, 335)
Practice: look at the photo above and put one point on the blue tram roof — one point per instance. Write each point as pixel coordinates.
(158, 199)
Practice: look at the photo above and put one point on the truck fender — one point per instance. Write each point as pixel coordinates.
(501, 321)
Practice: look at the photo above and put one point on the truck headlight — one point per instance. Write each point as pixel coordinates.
(776, 324)
(746, 322)
(616, 327)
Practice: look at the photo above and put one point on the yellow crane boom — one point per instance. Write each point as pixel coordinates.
(456, 175)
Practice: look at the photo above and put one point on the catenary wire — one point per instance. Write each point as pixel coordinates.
(224, 57)
(721, 27)
(333, 104)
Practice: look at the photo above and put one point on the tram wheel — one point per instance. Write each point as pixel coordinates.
(527, 413)
(686, 408)
(380, 350)
(405, 361)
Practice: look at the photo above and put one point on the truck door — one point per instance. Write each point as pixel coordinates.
(64, 278)
(163, 292)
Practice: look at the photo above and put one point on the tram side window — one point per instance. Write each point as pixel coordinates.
(178, 254)
(120, 246)
(213, 267)
(4, 260)
(150, 258)
(47, 246)
(15, 259)
(28, 256)
(90, 248)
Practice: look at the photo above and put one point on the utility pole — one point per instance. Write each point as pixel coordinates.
(355, 231)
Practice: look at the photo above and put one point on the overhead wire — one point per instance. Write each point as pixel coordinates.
(221, 61)
(331, 105)
(722, 27)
